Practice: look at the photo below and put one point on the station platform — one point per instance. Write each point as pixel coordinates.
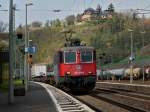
(36, 100)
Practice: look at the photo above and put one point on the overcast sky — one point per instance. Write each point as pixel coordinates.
(41, 10)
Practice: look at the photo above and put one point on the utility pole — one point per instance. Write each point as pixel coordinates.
(143, 32)
(26, 45)
(14, 38)
(11, 60)
(26, 65)
(131, 56)
(142, 35)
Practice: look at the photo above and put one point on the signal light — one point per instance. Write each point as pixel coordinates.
(19, 36)
(30, 61)
(30, 56)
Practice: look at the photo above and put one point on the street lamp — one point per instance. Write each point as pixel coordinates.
(131, 56)
(142, 35)
(26, 69)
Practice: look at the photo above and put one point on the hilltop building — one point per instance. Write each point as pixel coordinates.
(94, 14)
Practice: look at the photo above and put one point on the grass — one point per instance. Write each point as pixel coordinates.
(18, 83)
(5, 84)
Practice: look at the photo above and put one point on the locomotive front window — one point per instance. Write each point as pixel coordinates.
(70, 57)
(86, 56)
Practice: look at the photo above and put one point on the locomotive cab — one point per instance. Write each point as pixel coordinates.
(75, 68)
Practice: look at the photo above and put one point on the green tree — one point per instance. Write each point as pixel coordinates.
(70, 19)
(79, 18)
(47, 24)
(111, 8)
(56, 23)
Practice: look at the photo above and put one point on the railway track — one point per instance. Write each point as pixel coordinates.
(102, 100)
(65, 102)
(114, 100)
(127, 93)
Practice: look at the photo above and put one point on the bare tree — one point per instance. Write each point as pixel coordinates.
(79, 18)
(36, 24)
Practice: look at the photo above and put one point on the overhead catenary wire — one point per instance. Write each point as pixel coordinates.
(48, 10)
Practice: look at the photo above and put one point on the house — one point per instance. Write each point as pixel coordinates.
(94, 14)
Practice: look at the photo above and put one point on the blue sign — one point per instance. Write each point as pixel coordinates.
(26, 49)
(31, 49)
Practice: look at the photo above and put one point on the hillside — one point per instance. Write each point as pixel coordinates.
(111, 39)
(142, 58)
(49, 40)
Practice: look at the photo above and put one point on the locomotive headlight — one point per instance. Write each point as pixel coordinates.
(68, 73)
(89, 72)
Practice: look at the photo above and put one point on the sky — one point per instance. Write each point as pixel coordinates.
(42, 9)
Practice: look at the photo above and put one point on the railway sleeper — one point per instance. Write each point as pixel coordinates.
(67, 103)
(82, 110)
(120, 104)
(71, 108)
(64, 106)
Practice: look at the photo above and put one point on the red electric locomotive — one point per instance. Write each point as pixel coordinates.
(75, 68)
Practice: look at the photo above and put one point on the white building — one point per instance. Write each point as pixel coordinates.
(38, 70)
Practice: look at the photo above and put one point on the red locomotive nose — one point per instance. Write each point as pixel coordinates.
(78, 67)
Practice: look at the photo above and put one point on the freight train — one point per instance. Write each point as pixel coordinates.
(124, 73)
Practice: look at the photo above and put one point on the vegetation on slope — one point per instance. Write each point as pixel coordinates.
(110, 37)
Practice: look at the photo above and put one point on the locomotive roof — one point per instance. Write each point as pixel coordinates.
(77, 48)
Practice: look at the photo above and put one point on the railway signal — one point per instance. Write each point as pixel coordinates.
(30, 61)
(19, 36)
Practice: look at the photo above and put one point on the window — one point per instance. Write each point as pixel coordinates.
(70, 57)
(86, 56)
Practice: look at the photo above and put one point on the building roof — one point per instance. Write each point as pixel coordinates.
(4, 36)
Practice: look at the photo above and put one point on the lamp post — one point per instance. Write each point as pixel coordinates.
(142, 35)
(26, 69)
(11, 86)
(14, 39)
(131, 55)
